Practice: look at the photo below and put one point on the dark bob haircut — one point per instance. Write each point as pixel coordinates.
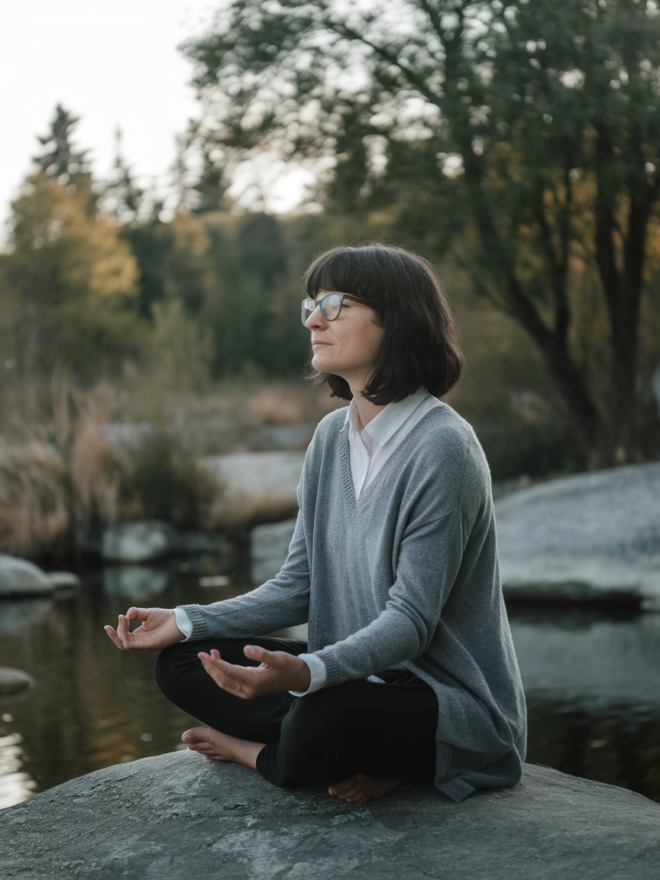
(419, 346)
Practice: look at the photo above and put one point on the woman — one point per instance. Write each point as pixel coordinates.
(409, 673)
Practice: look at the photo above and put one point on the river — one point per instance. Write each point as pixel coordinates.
(592, 681)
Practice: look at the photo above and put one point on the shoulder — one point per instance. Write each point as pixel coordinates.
(444, 450)
(326, 438)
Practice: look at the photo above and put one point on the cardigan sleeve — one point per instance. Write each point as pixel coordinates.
(280, 602)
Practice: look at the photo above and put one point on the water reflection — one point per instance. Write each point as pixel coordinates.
(589, 660)
(17, 613)
(591, 683)
(134, 582)
(15, 784)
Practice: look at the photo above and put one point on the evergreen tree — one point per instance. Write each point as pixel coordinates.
(123, 197)
(60, 158)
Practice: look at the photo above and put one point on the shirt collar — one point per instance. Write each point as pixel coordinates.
(389, 420)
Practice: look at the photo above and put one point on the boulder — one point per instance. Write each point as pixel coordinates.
(18, 577)
(138, 541)
(14, 681)
(64, 580)
(198, 543)
(272, 475)
(588, 537)
(269, 545)
(179, 816)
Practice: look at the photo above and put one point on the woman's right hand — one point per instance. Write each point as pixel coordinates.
(158, 630)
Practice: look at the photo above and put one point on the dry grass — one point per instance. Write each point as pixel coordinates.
(65, 483)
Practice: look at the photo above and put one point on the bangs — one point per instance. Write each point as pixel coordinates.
(346, 270)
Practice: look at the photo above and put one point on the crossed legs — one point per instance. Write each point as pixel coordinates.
(361, 739)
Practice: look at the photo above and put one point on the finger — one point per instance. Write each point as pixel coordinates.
(134, 613)
(123, 631)
(261, 655)
(113, 635)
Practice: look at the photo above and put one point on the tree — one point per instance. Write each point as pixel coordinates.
(123, 197)
(72, 277)
(61, 159)
(524, 137)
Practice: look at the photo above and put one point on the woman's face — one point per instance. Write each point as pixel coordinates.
(347, 346)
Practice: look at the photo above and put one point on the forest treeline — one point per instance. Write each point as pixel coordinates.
(515, 146)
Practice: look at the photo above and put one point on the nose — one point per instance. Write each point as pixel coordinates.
(316, 319)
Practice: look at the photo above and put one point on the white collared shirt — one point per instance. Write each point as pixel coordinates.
(369, 452)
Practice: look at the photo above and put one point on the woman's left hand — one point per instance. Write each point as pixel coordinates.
(278, 671)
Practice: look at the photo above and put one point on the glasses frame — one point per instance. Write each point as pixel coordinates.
(306, 311)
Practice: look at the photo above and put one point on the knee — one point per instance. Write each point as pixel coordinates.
(170, 668)
(317, 719)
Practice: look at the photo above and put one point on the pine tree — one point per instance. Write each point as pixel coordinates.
(123, 197)
(61, 159)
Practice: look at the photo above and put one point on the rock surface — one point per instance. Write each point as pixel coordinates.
(269, 545)
(592, 536)
(272, 475)
(14, 681)
(138, 541)
(179, 816)
(18, 577)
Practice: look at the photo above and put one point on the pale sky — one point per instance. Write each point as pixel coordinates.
(111, 63)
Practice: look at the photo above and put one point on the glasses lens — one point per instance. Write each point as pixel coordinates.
(308, 307)
(331, 306)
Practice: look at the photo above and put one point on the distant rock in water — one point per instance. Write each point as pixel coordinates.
(18, 577)
(269, 545)
(180, 816)
(14, 681)
(593, 536)
(138, 541)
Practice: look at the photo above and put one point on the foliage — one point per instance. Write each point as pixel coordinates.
(66, 482)
(167, 482)
(525, 137)
(71, 277)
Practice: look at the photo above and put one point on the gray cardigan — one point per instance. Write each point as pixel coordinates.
(406, 576)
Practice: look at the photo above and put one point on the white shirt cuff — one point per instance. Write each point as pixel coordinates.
(183, 622)
(317, 671)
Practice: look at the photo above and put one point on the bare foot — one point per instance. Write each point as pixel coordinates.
(361, 788)
(218, 746)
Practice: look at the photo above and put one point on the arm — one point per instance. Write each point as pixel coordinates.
(280, 602)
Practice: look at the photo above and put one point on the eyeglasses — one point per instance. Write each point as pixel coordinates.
(330, 306)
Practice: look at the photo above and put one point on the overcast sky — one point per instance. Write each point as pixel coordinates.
(112, 63)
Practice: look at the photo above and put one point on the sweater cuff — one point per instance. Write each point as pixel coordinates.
(183, 623)
(318, 674)
(197, 619)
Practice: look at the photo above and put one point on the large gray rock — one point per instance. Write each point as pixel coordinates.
(592, 536)
(14, 681)
(257, 475)
(269, 545)
(180, 816)
(138, 541)
(18, 577)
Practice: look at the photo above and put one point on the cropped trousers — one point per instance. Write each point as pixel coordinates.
(383, 730)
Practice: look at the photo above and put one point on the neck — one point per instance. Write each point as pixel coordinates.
(366, 410)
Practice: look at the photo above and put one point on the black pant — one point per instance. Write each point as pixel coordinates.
(356, 727)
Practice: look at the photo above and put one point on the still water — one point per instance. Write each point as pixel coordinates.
(592, 681)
